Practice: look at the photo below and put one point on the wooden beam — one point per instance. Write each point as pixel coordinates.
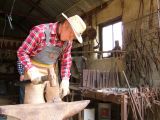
(95, 10)
(29, 12)
(88, 14)
(124, 102)
(11, 37)
(37, 2)
(20, 14)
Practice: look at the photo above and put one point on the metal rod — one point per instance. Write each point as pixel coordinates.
(10, 14)
(130, 93)
(111, 51)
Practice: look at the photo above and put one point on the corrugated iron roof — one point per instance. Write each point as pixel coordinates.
(27, 13)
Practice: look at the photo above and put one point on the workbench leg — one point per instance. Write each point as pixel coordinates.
(124, 103)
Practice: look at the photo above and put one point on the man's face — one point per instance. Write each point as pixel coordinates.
(66, 33)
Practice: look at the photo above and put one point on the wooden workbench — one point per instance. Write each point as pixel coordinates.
(121, 99)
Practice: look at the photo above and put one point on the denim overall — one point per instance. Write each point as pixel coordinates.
(49, 55)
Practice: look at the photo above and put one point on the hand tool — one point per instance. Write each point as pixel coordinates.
(50, 77)
(24, 82)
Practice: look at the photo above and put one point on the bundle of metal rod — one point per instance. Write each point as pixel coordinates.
(141, 102)
(134, 101)
(142, 46)
(96, 79)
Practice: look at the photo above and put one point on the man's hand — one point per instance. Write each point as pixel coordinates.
(64, 88)
(52, 77)
(21, 77)
(34, 75)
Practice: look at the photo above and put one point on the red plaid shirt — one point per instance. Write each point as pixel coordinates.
(35, 42)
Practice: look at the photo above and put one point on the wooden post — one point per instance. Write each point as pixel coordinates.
(124, 103)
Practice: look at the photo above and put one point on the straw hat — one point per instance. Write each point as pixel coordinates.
(77, 24)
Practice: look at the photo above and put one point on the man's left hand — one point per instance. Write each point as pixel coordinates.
(21, 77)
(64, 88)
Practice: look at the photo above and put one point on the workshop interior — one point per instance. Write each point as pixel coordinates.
(115, 71)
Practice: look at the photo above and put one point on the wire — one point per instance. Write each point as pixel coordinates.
(12, 8)
(10, 21)
(10, 15)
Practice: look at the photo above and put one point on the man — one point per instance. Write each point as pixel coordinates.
(45, 44)
(116, 53)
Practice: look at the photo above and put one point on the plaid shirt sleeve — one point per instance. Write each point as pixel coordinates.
(66, 62)
(20, 68)
(28, 48)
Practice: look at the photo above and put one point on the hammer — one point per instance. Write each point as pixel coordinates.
(50, 77)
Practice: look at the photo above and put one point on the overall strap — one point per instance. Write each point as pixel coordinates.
(47, 33)
(64, 45)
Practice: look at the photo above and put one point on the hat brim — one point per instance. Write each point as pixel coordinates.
(78, 36)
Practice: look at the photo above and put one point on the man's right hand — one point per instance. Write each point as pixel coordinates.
(21, 77)
(34, 75)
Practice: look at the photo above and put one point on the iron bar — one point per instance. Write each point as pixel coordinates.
(131, 95)
(110, 51)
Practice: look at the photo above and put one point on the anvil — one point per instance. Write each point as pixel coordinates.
(44, 111)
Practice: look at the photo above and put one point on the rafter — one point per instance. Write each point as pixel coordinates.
(23, 15)
(39, 9)
(29, 12)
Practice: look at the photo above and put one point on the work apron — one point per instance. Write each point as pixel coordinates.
(47, 58)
